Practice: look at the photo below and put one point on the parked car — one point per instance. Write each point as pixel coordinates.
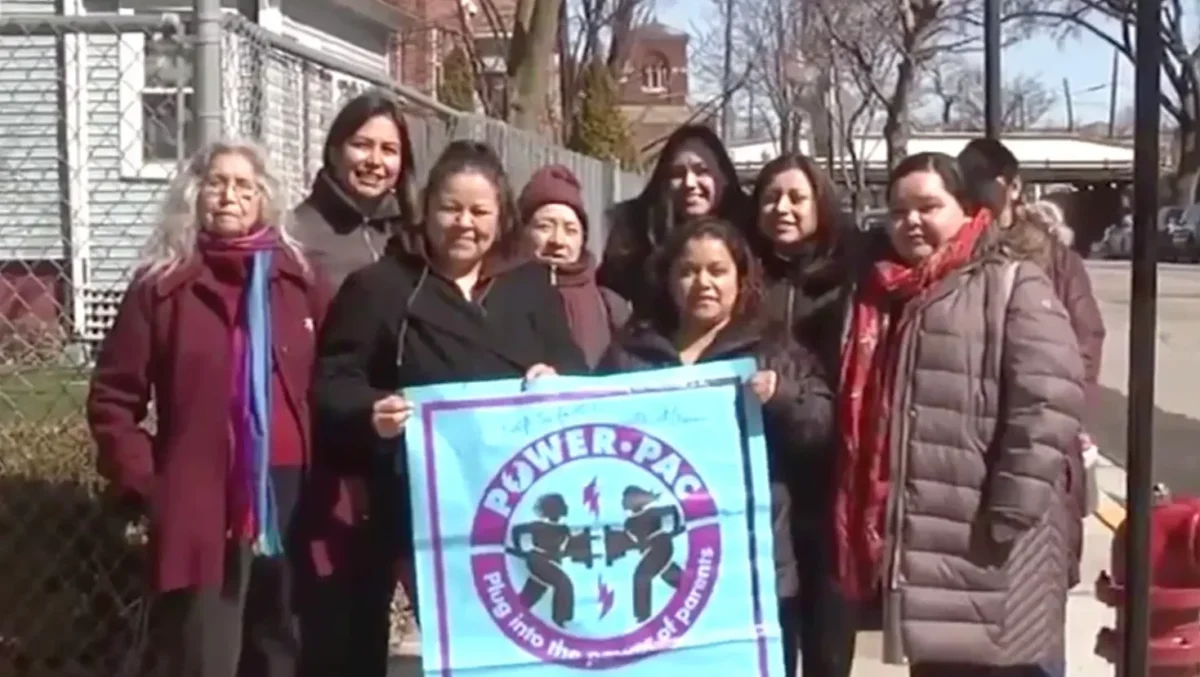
(1184, 235)
(1117, 242)
(873, 219)
(1177, 240)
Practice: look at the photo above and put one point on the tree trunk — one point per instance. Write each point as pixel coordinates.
(530, 59)
(1187, 172)
(895, 126)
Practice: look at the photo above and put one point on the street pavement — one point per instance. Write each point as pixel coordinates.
(1177, 414)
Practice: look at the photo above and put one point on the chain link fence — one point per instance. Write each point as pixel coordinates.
(95, 113)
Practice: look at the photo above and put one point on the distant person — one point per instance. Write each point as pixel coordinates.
(986, 164)
(693, 177)
(554, 226)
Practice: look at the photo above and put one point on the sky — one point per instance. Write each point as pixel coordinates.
(1086, 61)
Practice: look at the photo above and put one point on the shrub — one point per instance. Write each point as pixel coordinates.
(72, 589)
(600, 128)
(457, 88)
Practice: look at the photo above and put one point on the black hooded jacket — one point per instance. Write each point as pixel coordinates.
(637, 226)
(797, 420)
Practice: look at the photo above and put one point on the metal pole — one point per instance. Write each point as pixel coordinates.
(207, 72)
(991, 67)
(727, 77)
(1142, 337)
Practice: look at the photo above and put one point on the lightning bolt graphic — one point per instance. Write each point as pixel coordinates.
(591, 498)
(606, 597)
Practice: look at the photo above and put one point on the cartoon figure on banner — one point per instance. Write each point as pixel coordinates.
(543, 544)
(653, 554)
(651, 530)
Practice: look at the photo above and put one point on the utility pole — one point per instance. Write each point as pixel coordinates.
(1143, 337)
(1114, 84)
(991, 67)
(1070, 106)
(727, 78)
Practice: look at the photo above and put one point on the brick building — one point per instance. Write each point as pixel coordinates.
(653, 85)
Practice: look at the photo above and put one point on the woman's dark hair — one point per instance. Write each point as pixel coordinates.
(973, 196)
(830, 220)
(463, 157)
(370, 104)
(664, 313)
(988, 160)
(653, 210)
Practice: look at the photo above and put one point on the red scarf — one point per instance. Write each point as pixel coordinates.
(868, 373)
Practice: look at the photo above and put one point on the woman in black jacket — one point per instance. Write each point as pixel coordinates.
(706, 286)
(693, 177)
(804, 244)
(362, 195)
(450, 300)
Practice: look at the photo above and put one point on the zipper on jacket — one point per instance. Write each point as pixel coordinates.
(364, 228)
(893, 647)
(553, 276)
(791, 306)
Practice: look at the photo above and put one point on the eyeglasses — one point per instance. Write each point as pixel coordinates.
(242, 188)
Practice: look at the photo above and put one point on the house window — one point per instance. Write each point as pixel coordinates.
(167, 124)
(656, 74)
(156, 95)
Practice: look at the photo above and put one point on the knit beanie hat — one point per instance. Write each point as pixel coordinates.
(552, 184)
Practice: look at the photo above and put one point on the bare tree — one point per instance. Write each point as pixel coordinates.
(958, 89)
(766, 77)
(529, 36)
(1113, 22)
(915, 32)
(853, 109)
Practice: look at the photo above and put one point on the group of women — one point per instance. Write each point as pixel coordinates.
(922, 386)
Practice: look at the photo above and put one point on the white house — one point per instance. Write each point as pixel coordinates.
(93, 123)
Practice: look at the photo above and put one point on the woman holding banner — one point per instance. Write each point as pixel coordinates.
(450, 300)
(707, 290)
(961, 392)
(218, 326)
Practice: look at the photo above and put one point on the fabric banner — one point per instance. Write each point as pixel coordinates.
(583, 525)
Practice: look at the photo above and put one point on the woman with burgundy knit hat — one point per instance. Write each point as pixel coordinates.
(555, 227)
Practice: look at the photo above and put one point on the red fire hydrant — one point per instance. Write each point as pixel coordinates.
(1174, 591)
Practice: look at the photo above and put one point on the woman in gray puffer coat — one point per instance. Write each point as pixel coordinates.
(961, 392)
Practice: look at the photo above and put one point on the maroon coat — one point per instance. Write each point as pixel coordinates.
(167, 340)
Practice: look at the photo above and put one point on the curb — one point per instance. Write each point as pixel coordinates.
(1108, 479)
(1110, 513)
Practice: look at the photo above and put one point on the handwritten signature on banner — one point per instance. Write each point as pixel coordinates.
(527, 422)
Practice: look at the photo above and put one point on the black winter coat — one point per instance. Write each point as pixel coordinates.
(810, 295)
(797, 421)
(396, 324)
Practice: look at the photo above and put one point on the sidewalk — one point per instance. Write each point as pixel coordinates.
(1085, 617)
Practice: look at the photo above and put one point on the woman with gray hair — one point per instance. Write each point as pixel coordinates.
(219, 323)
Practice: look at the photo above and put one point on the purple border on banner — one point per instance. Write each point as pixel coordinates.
(435, 532)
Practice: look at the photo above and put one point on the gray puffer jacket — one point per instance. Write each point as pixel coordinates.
(989, 395)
